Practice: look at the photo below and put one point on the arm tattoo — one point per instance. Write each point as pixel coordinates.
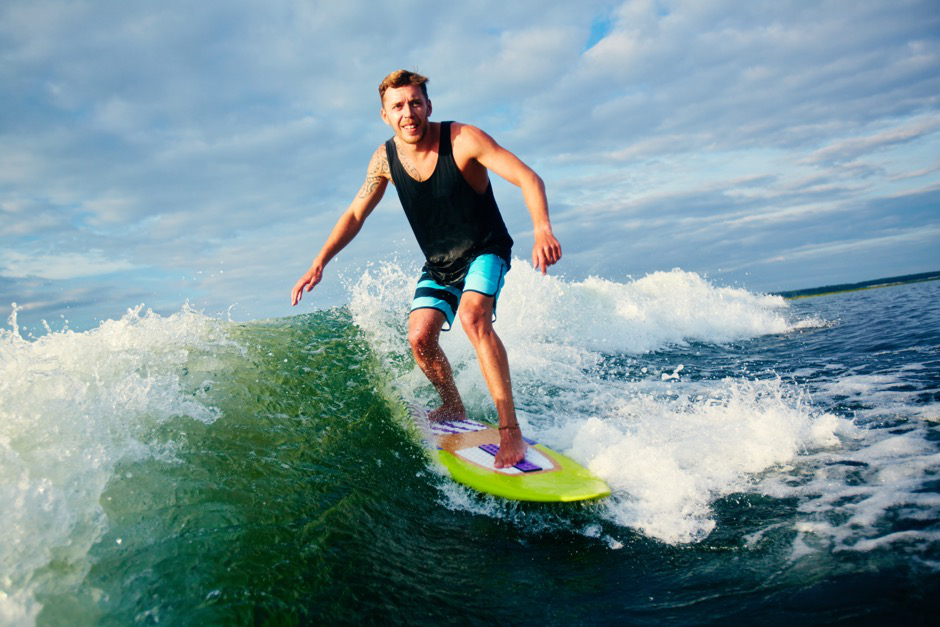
(369, 186)
(378, 169)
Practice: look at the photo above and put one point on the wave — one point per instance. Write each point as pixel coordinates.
(589, 379)
(644, 381)
(666, 386)
(72, 406)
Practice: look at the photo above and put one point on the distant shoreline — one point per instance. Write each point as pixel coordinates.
(857, 287)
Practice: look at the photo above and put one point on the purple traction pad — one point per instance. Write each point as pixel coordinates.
(454, 427)
(525, 465)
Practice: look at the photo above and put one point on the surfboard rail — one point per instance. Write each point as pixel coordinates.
(568, 482)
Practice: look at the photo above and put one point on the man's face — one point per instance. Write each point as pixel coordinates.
(406, 110)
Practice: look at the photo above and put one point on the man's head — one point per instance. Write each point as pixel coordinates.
(405, 105)
(403, 78)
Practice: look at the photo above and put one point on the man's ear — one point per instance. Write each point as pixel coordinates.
(384, 117)
(429, 107)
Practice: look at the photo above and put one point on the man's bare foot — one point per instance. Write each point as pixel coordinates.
(447, 412)
(511, 448)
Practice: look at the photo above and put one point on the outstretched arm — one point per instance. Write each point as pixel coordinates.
(349, 224)
(483, 148)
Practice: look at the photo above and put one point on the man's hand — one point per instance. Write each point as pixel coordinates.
(306, 283)
(546, 252)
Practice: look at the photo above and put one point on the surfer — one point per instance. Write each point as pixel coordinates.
(441, 171)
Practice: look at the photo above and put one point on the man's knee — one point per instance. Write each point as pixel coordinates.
(476, 320)
(421, 339)
(424, 328)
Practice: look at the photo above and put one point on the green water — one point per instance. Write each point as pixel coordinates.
(305, 496)
(309, 500)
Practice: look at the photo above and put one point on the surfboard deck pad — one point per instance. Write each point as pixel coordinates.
(467, 449)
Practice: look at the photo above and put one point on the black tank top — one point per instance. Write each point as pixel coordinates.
(451, 221)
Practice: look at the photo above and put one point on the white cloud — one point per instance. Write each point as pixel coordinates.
(850, 148)
(62, 267)
(919, 236)
(705, 134)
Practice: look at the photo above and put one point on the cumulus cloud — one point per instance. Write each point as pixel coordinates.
(16, 265)
(147, 143)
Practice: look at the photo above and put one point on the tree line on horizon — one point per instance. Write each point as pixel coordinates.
(849, 287)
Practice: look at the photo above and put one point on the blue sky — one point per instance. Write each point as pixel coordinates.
(159, 152)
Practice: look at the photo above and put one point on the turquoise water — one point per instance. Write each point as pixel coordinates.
(770, 462)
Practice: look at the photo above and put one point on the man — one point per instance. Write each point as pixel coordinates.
(441, 172)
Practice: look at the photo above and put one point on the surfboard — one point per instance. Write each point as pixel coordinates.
(467, 450)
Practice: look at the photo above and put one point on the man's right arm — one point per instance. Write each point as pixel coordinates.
(349, 224)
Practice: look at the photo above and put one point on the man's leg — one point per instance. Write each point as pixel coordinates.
(424, 332)
(476, 317)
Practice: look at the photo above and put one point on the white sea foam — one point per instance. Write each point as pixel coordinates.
(73, 406)
(667, 447)
(573, 324)
(852, 497)
(669, 458)
(590, 380)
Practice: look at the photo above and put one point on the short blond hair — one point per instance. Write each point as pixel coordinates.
(402, 78)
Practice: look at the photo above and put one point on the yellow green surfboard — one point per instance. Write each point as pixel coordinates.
(467, 449)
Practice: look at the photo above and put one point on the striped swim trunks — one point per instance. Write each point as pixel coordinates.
(486, 275)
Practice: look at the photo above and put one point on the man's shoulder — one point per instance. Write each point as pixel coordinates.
(378, 164)
(462, 128)
(469, 139)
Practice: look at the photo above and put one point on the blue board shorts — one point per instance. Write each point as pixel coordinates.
(486, 275)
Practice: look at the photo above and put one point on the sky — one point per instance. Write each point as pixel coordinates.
(167, 152)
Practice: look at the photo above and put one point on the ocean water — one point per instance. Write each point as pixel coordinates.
(770, 462)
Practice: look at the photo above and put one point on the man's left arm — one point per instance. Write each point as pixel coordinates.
(485, 150)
